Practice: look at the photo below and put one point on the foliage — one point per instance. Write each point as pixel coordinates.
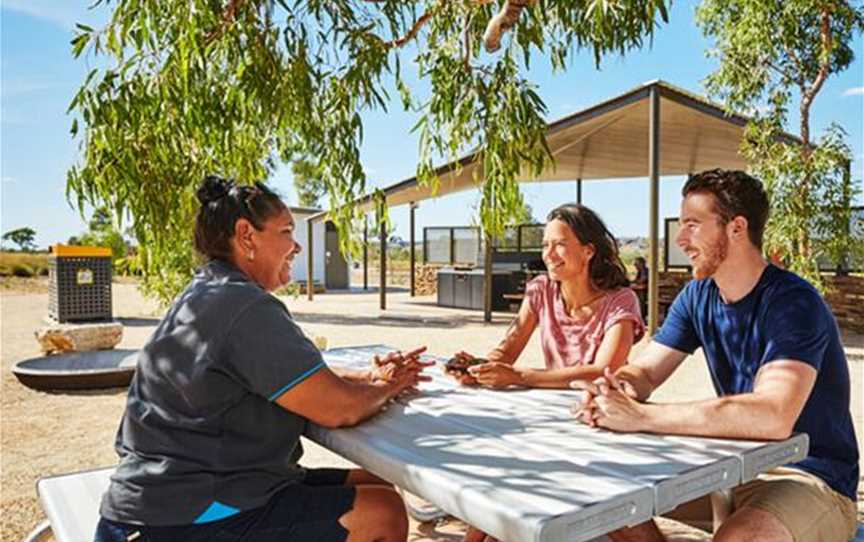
(308, 182)
(774, 54)
(102, 232)
(127, 265)
(525, 215)
(292, 289)
(194, 87)
(23, 237)
(818, 218)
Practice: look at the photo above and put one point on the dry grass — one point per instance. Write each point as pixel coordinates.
(23, 264)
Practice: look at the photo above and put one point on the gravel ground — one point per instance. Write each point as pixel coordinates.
(50, 433)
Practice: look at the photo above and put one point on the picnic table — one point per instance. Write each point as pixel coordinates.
(515, 463)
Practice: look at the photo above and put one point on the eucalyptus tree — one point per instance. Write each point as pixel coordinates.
(102, 231)
(775, 55)
(190, 87)
(308, 182)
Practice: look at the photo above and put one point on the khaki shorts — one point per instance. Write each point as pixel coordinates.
(806, 505)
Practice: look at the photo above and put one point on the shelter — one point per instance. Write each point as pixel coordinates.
(680, 133)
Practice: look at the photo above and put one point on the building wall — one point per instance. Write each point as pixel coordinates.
(300, 233)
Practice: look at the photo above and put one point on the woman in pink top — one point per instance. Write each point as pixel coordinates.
(588, 317)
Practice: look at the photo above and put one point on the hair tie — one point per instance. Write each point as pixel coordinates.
(213, 188)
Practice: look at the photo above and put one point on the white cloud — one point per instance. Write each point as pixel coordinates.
(7, 179)
(854, 91)
(758, 110)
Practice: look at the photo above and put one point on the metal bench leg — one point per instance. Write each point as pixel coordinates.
(419, 509)
(40, 532)
(721, 506)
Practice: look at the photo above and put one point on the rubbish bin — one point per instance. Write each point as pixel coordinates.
(79, 288)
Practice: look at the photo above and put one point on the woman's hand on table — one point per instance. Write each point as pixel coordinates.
(395, 366)
(461, 375)
(496, 375)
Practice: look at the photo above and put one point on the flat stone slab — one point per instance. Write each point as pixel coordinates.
(79, 337)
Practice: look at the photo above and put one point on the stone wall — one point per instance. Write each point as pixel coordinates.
(845, 296)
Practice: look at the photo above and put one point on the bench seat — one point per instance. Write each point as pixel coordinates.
(71, 502)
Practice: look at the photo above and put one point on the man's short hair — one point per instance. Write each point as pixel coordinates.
(735, 194)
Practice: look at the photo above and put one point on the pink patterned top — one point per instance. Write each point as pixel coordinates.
(568, 340)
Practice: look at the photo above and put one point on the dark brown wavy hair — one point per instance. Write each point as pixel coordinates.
(223, 202)
(735, 194)
(606, 270)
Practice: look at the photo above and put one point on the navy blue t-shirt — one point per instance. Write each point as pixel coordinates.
(783, 317)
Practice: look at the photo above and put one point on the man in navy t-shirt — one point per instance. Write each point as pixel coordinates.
(776, 361)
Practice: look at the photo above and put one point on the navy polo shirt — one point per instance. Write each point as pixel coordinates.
(201, 438)
(783, 317)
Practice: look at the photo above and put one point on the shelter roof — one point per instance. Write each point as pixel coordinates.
(610, 141)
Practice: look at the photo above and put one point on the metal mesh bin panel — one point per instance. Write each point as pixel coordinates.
(79, 288)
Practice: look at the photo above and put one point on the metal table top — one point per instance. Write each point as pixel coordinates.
(516, 465)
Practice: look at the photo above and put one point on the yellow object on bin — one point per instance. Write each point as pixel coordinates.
(69, 251)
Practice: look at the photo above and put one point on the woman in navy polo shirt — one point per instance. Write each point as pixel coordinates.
(209, 443)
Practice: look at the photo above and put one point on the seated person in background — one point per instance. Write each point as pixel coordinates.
(588, 317)
(777, 364)
(209, 443)
(640, 284)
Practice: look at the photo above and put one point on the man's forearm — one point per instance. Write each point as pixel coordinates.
(638, 379)
(744, 416)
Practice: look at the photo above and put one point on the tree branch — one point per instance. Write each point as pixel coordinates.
(825, 64)
(466, 43)
(228, 19)
(777, 69)
(798, 66)
(502, 22)
(824, 68)
(413, 32)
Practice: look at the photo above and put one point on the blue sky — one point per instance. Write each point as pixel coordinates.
(38, 78)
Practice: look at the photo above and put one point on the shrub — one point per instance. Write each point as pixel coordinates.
(292, 289)
(22, 270)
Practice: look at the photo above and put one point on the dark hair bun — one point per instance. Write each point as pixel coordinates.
(212, 188)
